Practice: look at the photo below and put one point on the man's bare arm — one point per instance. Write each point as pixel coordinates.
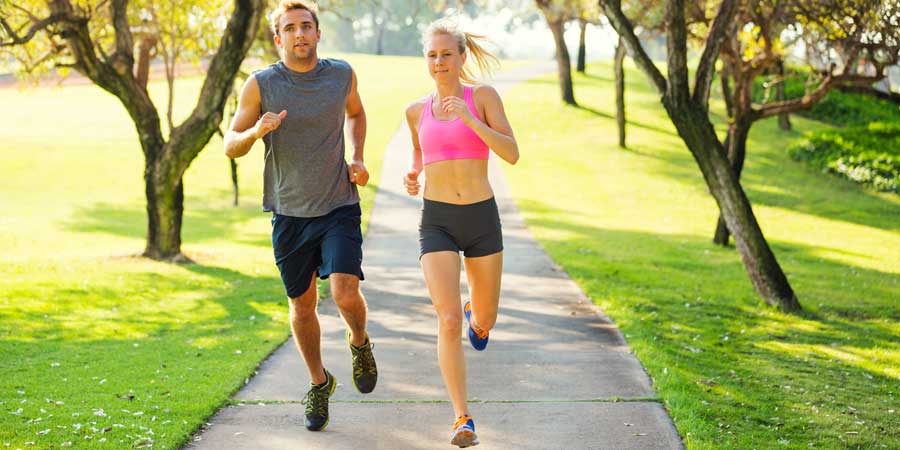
(356, 123)
(247, 126)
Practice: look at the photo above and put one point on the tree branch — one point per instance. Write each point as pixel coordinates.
(35, 27)
(77, 37)
(613, 11)
(206, 116)
(810, 99)
(31, 16)
(78, 40)
(706, 66)
(336, 13)
(123, 58)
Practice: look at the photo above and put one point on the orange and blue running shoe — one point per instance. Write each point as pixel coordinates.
(478, 338)
(464, 432)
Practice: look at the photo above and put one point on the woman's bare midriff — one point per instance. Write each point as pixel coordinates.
(458, 181)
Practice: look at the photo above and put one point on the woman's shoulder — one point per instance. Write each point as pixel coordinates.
(414, 109)
(484, 93)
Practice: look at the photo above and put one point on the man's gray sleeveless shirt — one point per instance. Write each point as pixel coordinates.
(305, 173)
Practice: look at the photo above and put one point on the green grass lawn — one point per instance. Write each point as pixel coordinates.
(634, 228)
(102, 348)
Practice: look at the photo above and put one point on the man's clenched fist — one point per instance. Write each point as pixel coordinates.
(268, 122)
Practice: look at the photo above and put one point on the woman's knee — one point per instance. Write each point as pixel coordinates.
(450, 323)
(486, 321)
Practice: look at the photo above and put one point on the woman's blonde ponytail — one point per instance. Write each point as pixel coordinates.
(484, 59)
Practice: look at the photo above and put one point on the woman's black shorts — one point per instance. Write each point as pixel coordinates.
(473, 229)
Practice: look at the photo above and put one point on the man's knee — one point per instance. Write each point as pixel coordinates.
(344, 288)
(304, 306)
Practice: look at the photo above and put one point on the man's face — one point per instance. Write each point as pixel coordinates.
(297, 34)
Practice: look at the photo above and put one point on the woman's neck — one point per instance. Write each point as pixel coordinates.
(450, 89)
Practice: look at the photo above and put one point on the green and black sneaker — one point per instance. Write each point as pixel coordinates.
(365, 373)
(316, 402)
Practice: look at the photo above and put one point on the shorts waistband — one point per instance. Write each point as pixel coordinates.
(439, 204)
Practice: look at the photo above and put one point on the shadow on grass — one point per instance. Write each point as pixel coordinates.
(690, 312)
(175, 342)
(628, 123)
(200, 223)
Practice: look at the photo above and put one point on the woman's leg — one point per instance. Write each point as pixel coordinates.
(484, 274)
(441, 271)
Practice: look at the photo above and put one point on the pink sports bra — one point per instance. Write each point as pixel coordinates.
(450, 139)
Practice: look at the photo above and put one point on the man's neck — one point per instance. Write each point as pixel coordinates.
(301, 65)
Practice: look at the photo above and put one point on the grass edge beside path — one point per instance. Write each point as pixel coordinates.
(633, 228)
(103, 349)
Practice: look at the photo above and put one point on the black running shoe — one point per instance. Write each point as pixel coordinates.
(316, 402)
(365, 372)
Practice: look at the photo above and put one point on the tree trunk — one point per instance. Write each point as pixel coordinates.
(142, 73)
(379, 43)
(165, 207)
(736, 147)
(766, 275)
(379, 25)
(740, 115)
(620, 90)
(234, 179)
(170, 84)
(784, 121)
(582, 57)
(563, 62)
(726, 93)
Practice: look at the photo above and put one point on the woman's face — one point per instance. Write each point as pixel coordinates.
(444, 60)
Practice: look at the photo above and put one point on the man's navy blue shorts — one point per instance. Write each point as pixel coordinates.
(307, 245)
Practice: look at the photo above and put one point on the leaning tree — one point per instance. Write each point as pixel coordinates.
(848, 42)
(687, 109)
(98, 39)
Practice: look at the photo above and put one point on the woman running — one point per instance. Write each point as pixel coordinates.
(453, 131)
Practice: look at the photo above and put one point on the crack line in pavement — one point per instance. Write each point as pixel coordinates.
(588, 400)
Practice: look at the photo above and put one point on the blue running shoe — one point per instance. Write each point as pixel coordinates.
(479, 339)
(464, 432)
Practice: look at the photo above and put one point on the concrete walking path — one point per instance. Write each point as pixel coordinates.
(549, 379)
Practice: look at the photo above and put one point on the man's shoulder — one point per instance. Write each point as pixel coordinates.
(338, 64)
(265, 71)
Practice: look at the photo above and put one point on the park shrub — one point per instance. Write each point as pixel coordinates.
(869, 155)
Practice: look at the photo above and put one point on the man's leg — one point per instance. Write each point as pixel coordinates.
(305, 328)
(352, 305)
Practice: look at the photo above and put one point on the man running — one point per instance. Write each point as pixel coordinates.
(298, 106)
